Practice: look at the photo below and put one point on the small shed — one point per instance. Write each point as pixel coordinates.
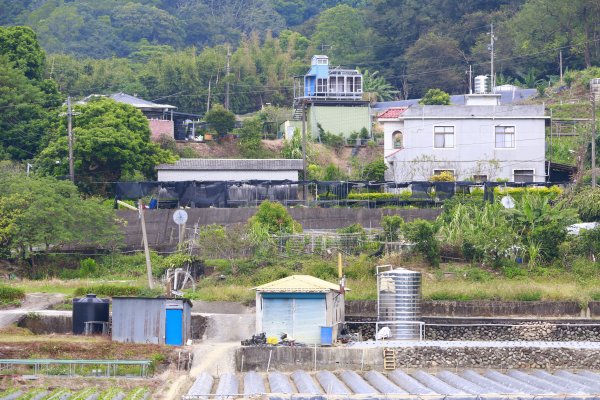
(151, 320)
(299, 306)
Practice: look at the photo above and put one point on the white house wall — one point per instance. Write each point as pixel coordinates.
(474, 151)
(225, 175)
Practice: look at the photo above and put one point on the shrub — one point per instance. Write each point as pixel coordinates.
(588, 243)
(444, 176)
(392, 225)
(587, 203)
(375, 170)
(549, 237)
(337, 142)
(422, 234)
(88, 268)
(478, 275)
(371, 196)
(275, 218)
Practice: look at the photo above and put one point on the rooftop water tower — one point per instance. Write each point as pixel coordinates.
(482, 84)
(399, 302)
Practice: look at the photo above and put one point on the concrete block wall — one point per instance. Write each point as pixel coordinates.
(163, 232)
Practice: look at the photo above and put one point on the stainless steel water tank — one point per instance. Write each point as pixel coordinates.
(399, 300)
(89, 308)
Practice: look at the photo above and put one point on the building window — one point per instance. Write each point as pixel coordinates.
(321, 61)
(397, 139)
(358, 84)
(480, 178)
(505, 137)
(523, 175)
(443, 137)
(321, 85)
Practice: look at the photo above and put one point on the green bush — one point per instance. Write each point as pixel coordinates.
(422, 234)
(588, 243)
(117, 291)
(371, 196)
(513, 271)
(549, 237)
(392, 225)
(587, 203)
(274, 217)
(478, 275)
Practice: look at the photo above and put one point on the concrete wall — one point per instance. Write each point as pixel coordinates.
(338, 119)
(163, 232)
(474, 151)
(482, 308)
(293, 358)
(170, 175)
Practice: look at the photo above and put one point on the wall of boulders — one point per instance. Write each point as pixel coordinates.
(490, 330)
(497, 357)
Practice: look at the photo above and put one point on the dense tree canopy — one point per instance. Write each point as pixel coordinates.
(112, 143)
(45, 213)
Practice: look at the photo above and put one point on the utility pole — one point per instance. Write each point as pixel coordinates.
(227, 76)
(593, 139)
(208, 98)
(140, 210)
(493, 76)
(304, 150)
(70, 134)
(561, 67)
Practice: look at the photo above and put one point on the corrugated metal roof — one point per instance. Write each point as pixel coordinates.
(298, 283)
(233, 164)
(137, 102)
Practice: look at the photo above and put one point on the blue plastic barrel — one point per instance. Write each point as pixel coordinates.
(326, 335)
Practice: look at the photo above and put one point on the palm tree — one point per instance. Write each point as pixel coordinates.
(376, 88)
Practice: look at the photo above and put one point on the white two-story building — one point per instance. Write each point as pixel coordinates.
(481, 141)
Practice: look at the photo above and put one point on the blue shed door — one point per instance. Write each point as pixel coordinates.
(174, 328)
(277, 317)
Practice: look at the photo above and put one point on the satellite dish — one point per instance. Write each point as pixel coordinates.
(508, 202)
(180, 217)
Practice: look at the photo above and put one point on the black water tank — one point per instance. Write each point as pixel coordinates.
(90, 308)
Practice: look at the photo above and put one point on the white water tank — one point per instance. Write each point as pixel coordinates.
(482, 84)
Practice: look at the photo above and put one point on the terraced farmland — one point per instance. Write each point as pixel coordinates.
(84, 394)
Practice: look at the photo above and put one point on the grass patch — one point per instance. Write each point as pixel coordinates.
(118, 291)
(237, 293)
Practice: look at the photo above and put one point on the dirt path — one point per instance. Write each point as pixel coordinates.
(33, 302)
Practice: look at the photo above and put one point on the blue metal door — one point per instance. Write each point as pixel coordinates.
(174, 328)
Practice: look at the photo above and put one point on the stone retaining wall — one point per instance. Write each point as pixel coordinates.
(483, 308)
(497, 357)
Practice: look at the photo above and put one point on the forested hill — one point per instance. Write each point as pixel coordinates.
(173, 50)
